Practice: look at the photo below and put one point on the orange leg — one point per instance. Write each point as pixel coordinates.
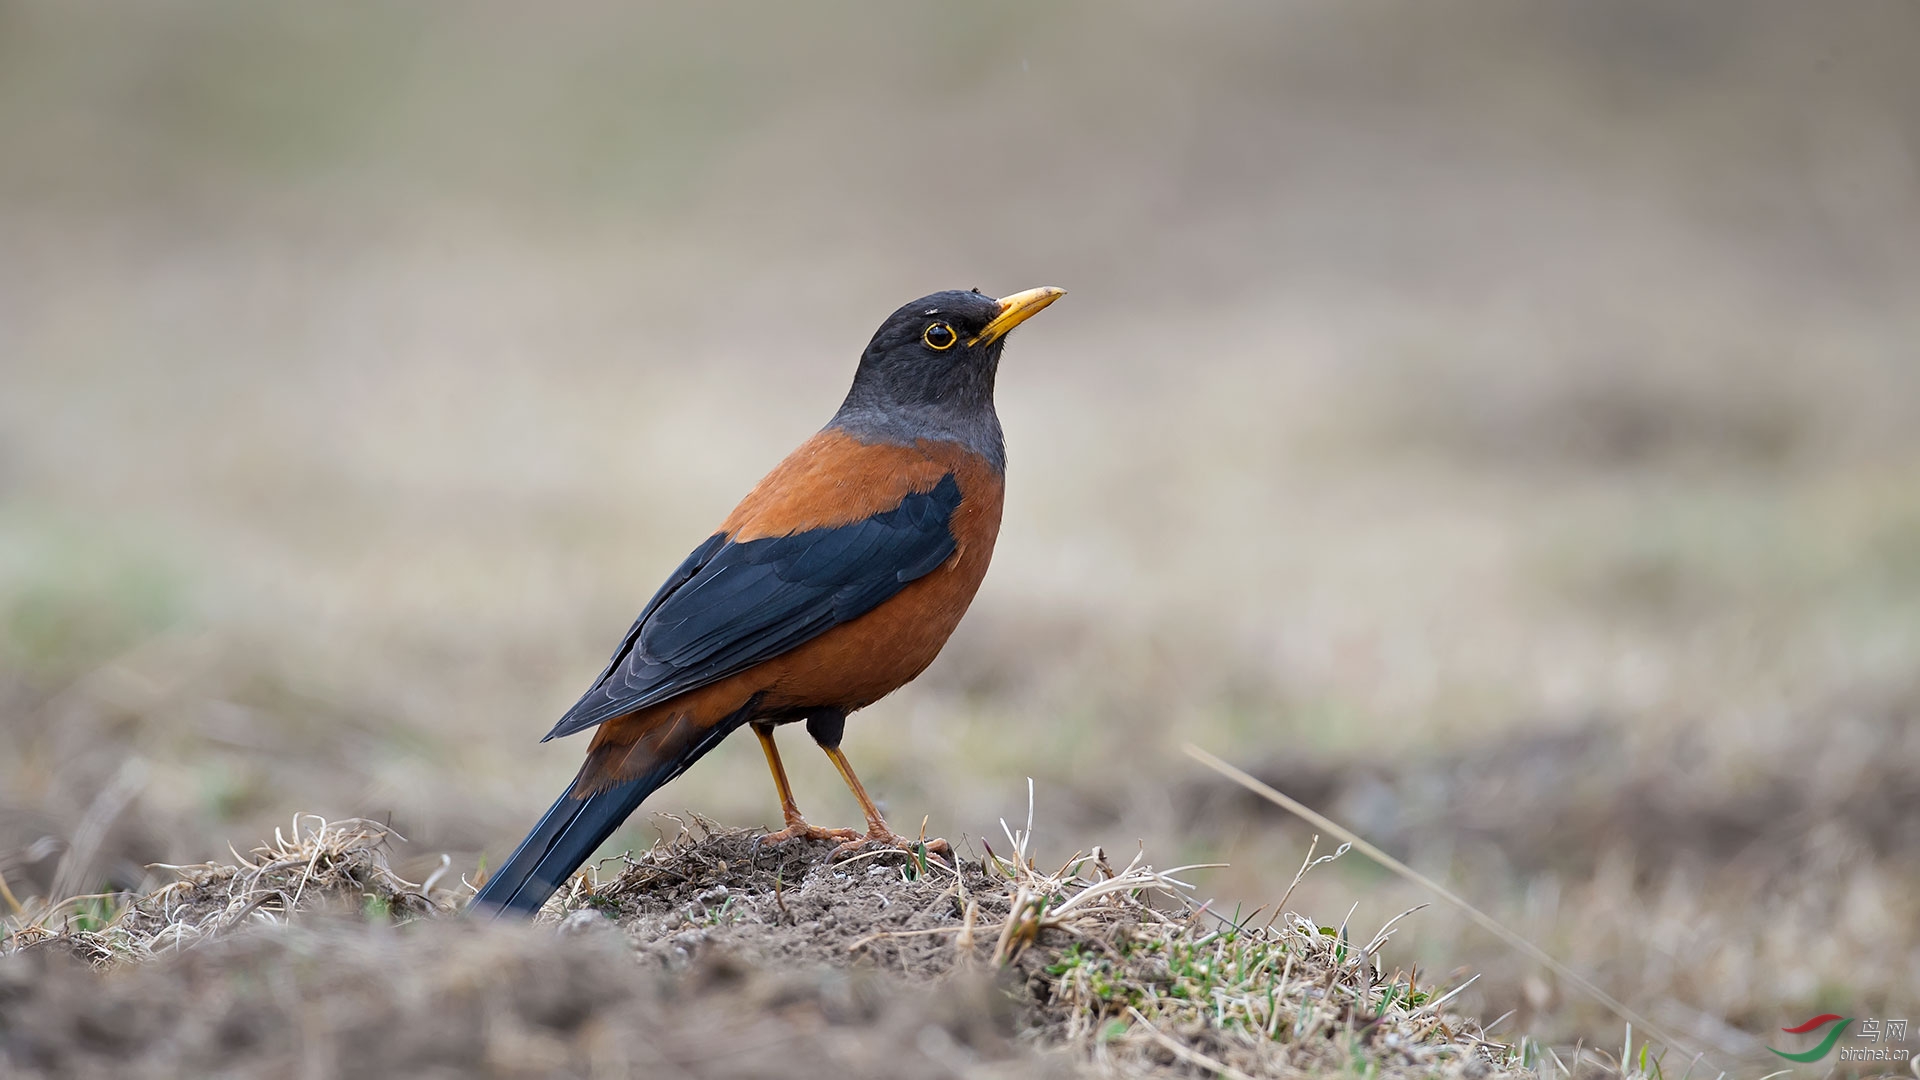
(877, 830)
(796, 825)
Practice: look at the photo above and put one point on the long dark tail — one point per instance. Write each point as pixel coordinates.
(556, 847)
(576, 825)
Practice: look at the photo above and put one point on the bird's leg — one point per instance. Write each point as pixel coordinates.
(827, 733)
(796, 825)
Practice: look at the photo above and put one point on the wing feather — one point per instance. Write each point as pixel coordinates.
(732, 605)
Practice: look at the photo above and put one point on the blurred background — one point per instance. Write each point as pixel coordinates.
(1498, 426)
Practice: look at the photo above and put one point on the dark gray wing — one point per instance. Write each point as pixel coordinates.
(733, 605)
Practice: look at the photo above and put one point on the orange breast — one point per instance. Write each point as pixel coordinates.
(858, 663)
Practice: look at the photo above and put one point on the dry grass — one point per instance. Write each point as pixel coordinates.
(1113, 970)
(318, 865)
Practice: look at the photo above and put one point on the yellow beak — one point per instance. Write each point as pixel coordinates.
(1015, 310)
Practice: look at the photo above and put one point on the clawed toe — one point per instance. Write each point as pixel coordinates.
(889, 839)
(800, 830)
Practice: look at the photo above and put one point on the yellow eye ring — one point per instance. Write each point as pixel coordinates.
(939, 337)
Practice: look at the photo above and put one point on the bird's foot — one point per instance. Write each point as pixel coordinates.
(881, 836)
(798, 829)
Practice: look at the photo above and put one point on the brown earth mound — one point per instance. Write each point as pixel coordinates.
(709, 956)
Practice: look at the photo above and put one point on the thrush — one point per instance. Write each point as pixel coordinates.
(836, 581)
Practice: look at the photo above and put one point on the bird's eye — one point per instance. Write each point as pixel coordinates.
(939, 336)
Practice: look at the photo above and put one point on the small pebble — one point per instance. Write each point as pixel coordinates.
(583, 921)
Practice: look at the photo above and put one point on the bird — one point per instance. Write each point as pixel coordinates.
(834, 582)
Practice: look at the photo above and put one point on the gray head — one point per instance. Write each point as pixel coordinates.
(928, 372)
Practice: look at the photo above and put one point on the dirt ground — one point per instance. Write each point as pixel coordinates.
(452, 999)
(708, 956)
